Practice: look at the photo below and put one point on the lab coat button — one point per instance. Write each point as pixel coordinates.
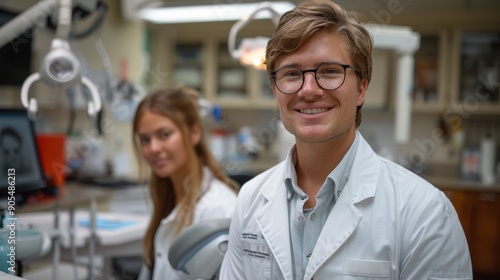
(313, 217)
(301, 218)
(308, 256)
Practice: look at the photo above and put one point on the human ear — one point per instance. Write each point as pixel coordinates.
(361, 92)
(195, 134)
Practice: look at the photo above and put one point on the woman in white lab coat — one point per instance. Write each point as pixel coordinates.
(186, 185)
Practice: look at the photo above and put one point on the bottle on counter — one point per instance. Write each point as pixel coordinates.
(487, 160)
(247, 144)
(470, 163)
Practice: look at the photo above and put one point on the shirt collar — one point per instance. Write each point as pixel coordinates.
(338, 176)
(291, 175)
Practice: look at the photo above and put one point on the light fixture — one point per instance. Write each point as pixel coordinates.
(202, 13)
(252, 51)
(60, 67)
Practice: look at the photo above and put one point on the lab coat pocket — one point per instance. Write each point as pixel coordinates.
(257, 260)
(366, 269)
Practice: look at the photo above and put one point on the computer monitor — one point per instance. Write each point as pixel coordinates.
(20, 165)
(17, 55)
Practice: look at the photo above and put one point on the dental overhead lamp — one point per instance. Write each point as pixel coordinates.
(60, 67)
(252, 51)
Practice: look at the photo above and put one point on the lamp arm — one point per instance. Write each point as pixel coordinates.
(95, 105)
(30, 104)
(26, 20)
(64, 23)
(25, 87)
(275, 16)
(231, 41)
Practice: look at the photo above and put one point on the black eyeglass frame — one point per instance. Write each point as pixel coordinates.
(315, 71)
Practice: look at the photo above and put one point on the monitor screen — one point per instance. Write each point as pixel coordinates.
(16, 56)
(19, 157)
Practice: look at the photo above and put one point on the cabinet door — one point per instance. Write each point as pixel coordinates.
(477, 78)
(458, 199)
(265, 92)
(429, 91)
(232, 77)
(481, 216)
(238, 86)
(264, 97)
(188, 65)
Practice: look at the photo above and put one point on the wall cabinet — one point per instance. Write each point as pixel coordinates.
(197, 55)
(455, 69)
(208, 67)
(479, 213)
(458, 71)
(228, 83)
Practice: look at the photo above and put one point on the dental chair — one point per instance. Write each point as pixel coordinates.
(200, 248)
(197, 251)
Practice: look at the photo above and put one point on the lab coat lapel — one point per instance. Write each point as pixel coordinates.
(345, 217)
(272, 220)
(343, 220)
(171, 217)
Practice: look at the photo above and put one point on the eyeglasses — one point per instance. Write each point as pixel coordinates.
(331, 76)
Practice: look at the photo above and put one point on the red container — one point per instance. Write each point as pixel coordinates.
(52, 150)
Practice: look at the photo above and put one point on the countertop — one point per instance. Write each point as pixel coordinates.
(448, 177)
(442, 176)
(457, 183)
(75, 194)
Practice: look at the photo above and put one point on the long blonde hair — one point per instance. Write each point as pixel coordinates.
(181, 106)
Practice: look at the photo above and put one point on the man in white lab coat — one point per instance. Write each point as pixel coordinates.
(334, 209)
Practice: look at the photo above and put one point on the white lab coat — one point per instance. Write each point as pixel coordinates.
(218, 201)
(387, 223)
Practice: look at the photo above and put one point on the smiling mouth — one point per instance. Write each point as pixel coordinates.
(159, 162)
(314, 111)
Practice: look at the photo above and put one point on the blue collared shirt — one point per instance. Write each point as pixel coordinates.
(306, 224)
